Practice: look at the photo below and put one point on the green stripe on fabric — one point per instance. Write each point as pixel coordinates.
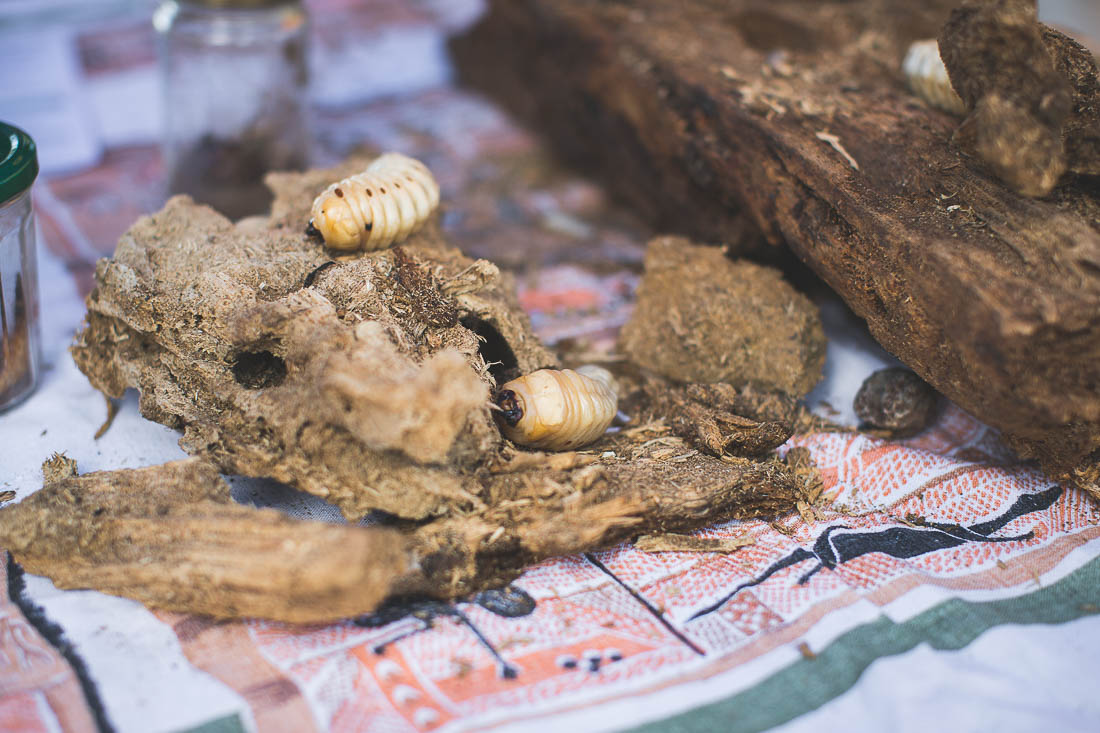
(810, 683)
(228, 724)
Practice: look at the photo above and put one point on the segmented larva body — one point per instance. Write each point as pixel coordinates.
(556, 409)
(381, 206)
(928, 78)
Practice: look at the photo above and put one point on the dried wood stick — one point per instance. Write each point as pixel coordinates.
(171, 537)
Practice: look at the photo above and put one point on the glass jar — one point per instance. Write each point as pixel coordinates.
(19, 340)
(235, 82)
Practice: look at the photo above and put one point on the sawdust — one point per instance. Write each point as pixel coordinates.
(703, 318)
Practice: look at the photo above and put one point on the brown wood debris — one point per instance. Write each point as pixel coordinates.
(1031, 92)
(691, 543)
(990, 296)
(701, 317)
(720, 419)
(364, 379)
(170, 536)
(636, 486)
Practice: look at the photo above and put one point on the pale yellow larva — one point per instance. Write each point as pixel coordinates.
(379, 207)
(928, 78)
(556, 409)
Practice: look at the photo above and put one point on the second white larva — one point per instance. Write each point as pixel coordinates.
(379, 207)
(928, 78)
(558, 409)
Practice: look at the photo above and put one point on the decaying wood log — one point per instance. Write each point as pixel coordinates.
(544, 506)
(796, 114)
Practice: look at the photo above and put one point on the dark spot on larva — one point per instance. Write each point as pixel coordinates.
(397, 185)
(369, 192)
(368, 226)
(511, 412)
(339, 193)
(383, 190)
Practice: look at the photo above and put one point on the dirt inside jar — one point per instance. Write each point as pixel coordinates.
(16, 372)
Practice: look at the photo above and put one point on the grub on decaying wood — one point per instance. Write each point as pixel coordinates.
(701, 317)
(691, 543)
(991, 297)
(171, 537)
(1031, 92)
(364, 380)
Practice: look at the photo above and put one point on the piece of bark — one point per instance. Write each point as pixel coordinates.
(361, 378)
(991, 297)
(171, 537)
(636, 486)
(690, 543)
(717, 418)
(1032, 93)
(701, 317)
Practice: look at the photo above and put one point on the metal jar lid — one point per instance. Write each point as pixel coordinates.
(18, 162)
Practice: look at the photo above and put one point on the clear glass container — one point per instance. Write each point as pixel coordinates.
(235, 83)
(19, 335)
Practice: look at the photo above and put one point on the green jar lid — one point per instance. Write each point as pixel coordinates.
(18, 162)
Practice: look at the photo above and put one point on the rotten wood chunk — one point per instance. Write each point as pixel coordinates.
(171, 537)
(993, 298)
(690, 543)
(1031, 91)
(636, 486)
(701, 317)
(365, 381)
(897, 400)
(718, 418)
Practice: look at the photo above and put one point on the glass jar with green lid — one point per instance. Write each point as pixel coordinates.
(19, 341)
(235, 82)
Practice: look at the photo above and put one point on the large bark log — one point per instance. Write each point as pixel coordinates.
(795, 114)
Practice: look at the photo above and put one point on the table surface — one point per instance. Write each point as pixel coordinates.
(849, 614)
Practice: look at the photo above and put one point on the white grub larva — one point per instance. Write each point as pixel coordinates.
(928, 78)
(381, 206)
(556, 409)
